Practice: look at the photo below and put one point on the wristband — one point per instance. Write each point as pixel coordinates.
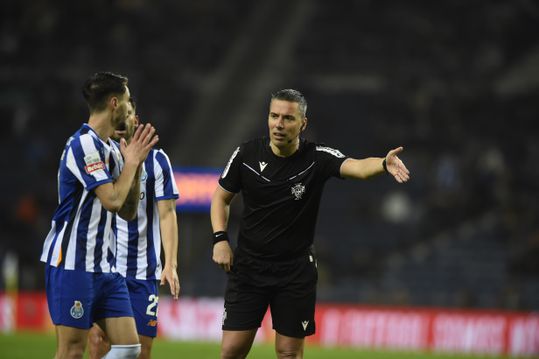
(384, 164)
(220, 236)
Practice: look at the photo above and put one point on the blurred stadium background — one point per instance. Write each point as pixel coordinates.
(455, 82)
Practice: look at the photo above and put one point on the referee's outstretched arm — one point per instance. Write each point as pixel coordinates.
(368, 167)
(220, 209)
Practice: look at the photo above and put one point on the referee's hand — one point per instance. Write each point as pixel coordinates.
(222, 255)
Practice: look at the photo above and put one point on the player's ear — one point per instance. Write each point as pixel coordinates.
(304, 126)
(113, 102)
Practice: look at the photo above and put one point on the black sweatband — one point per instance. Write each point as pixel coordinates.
(384, 165)
(220, 236)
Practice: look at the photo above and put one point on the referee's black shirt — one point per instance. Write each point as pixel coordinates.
(281, 195)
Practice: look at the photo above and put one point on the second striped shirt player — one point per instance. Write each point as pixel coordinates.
(138, 244)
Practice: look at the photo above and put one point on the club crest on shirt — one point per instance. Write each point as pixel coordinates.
(77, 311)
(298, 190)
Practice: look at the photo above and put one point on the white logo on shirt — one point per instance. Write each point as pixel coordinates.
(92, 158)
(304, 324)
(298, 190)
(262, 165)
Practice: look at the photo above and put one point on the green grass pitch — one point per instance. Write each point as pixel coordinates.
(41, 346)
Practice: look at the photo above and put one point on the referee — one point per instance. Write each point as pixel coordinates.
(281, 179)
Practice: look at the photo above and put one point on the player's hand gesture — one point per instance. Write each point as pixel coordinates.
(396, 167)
(223, 256)
(141, 143)
(170, 275)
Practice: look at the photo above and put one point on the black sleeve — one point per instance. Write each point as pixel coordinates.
(330, 161)
(230, 179)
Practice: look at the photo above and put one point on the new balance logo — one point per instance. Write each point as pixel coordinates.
(304, 324)
(262, 165)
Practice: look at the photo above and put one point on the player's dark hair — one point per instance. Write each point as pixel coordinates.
(292, 95)
(100, 86)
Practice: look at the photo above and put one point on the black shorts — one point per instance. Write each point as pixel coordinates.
(289, 288)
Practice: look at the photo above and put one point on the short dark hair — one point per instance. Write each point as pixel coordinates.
(100, 86)
(292, 95)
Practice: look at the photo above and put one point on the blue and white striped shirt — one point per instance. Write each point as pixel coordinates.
(81, 228)
(138, 242)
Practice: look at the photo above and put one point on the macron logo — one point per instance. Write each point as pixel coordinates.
(304, 324)
(262, 165)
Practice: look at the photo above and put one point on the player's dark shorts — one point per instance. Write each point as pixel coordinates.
(144, 296)
(288, 287)
(78, 298)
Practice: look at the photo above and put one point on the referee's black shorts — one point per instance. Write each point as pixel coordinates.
(288, 287)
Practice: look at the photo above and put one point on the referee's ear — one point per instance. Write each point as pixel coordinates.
(304, 126)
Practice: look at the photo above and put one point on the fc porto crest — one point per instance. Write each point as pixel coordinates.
(298, 190)
(77, 311)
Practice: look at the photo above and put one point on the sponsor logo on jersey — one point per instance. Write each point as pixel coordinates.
(262, 165)
(93, 162)
(298, 190)
(94, 167)
(91, 158)
(304, 324)
(77, 311)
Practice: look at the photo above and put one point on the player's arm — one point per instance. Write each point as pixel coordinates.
(113, 195)
(169, 236)
(129, 209)
(368, 167)
(220, 210)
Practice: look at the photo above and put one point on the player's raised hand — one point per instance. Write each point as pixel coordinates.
(141, 143)
(170, 275)
(223, 256)
(396, 167)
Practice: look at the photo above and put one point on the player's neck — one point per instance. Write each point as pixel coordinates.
(285, 151)
(101, 124)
